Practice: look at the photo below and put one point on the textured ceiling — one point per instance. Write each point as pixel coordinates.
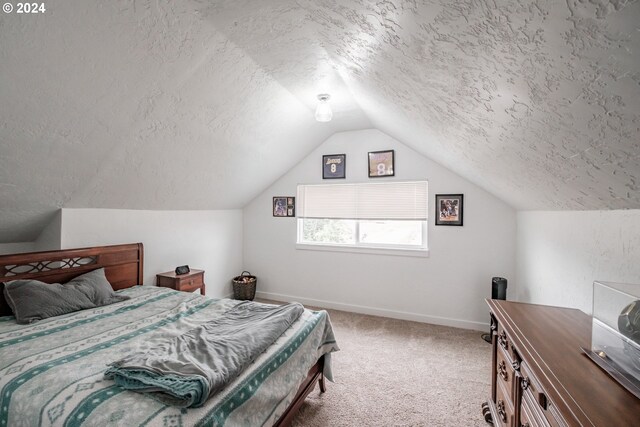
(201, 105)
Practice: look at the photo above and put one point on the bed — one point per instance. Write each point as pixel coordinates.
(52, 371)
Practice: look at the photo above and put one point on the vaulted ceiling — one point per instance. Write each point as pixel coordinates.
(202, 104)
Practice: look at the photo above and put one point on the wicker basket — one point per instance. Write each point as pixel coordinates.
(244, 286)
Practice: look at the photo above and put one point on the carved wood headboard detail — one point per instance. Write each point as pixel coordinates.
(123, 265)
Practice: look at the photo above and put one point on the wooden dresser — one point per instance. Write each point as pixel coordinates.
(189, 282)
(541, 377)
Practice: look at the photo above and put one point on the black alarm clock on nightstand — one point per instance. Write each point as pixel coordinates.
(183, 269)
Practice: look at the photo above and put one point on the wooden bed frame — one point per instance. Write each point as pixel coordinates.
(123, 265)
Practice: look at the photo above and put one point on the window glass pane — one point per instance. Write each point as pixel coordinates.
(328, 231)
(391, 232)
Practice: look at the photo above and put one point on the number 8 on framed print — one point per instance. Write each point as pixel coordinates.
(333, 166)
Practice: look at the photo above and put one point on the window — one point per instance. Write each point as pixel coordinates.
(370, 216)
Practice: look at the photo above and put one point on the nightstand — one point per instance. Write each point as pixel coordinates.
(184, 282)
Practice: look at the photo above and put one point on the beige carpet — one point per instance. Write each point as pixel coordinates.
(399, 373)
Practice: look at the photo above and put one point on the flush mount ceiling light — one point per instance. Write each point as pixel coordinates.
(323, 112)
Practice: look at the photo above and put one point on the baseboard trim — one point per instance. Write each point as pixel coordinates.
(382, 312)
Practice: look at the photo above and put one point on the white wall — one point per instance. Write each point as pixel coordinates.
(560, 254)
(50, 237)
(16, 248)
(208, 240)
(48, 240)
(448, 287)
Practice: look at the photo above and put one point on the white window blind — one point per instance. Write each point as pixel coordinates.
(372, 201)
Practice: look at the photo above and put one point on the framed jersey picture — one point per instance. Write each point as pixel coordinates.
(333, 166)
(381, 163)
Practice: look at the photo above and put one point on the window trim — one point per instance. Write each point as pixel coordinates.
(423, 253)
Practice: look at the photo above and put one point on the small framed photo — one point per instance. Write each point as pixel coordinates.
(291, 206)
(381, 163)
(449, 209)
(279, 206)
(334, 166)
(284, 206)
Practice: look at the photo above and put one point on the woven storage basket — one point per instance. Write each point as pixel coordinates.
(244, 286)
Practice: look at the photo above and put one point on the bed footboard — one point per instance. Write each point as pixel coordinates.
(316, 374)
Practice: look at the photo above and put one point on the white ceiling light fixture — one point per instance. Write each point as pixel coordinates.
(323, 111)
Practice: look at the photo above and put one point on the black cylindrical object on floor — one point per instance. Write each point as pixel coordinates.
(498, 291)
(499, 288)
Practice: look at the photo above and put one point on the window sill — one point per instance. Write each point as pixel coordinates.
(422, 253)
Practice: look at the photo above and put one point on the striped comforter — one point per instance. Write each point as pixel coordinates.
(52, 372)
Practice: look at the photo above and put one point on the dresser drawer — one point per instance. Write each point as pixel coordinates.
(537, 400)
(505, 373)
(190, 283)
(504, 342)
(505, 411)
(526, 419)
(530, 415)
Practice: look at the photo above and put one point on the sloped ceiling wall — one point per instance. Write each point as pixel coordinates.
(201, 105)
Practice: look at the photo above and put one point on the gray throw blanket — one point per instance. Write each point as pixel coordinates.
(186, 370)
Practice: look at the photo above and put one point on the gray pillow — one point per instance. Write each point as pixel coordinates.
(32, 300)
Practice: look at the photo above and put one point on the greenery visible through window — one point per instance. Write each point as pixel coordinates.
(328, 230)
(365, 233)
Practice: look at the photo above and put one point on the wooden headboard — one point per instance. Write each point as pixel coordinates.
(122, 265)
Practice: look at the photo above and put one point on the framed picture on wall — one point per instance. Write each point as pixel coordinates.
(449, 209)
(334, 166)
(291, 206)
(381, 163)
(284, 206)
(279, 206)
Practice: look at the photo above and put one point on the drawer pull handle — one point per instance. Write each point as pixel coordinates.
(541, 397)
(542, 401)
(502, 339)
(515, 366)
(502, 413)
(502, 367)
